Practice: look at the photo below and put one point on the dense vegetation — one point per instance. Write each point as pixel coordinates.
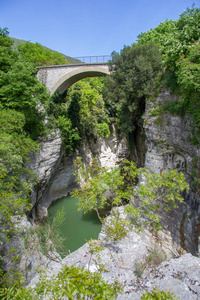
(17, 42)
(167, 56)
(39, 55)
(135, 72)
(101, 189)
(179, 44)
(20, 122)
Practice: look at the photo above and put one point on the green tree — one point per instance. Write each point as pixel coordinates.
(7, 56)
(86, 108)
(39, 55)
(15, 180)
(101, 188)
(20, 89)
(178, 42)
(175, 38)
(135, 72)
(69, 135)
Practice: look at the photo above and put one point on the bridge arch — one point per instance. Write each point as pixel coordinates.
(82, 72)
(61, 77)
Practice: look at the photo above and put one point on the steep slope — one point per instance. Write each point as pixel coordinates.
(70, 60)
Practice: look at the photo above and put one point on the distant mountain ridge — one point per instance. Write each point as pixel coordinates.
(70, 60)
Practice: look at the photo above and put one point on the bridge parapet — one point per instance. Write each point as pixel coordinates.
(94, 59)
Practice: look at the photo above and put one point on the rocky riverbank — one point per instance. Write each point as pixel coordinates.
(181, 275)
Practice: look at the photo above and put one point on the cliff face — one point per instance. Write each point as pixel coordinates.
(55, 169)
(161, 142)
(168, 144)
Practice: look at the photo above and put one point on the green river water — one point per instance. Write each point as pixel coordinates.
(77, 227)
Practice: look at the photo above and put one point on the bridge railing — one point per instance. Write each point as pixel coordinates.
(94, 59)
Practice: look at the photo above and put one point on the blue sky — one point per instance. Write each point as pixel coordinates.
(89, 27)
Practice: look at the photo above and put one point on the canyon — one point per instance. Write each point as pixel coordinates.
(162, 142)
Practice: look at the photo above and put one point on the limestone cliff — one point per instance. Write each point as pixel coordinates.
(54, 167)
(168, 144)
(161, 142)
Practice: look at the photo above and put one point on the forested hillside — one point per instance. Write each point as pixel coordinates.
(38, 48)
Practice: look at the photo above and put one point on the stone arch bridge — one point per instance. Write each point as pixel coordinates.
(61, 77)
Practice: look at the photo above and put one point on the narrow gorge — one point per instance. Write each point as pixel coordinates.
(162, 142)
(119, 139)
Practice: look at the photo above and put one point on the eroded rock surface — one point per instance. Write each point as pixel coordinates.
(55, 169)
(180, 275)
(168, 145)
(165, 144)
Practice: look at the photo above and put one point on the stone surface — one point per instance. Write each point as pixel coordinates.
(109, 152)
(168, 139)
(45, 164)
(56, 172)
(180, 275)
(168, 147)
(61, 77)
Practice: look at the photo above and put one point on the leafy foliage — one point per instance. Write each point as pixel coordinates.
(80, 113)
(7, 56)
(72, 282)
(86, 108)
(20, 89)
(101, 188)
(69, 135)
(178, 42)
(135, 71)
(15, 180)
(39, 55)
(157, 294)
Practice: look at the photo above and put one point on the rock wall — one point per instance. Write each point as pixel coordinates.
(180, 275)
(45, 163)
(55, 169)
(161, 142)
(168, 145)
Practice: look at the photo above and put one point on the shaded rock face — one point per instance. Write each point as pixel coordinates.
(45, 164)
(109, 152)
(55, 169)
(168, 147)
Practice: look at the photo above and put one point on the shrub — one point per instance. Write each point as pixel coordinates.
(157, 294)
